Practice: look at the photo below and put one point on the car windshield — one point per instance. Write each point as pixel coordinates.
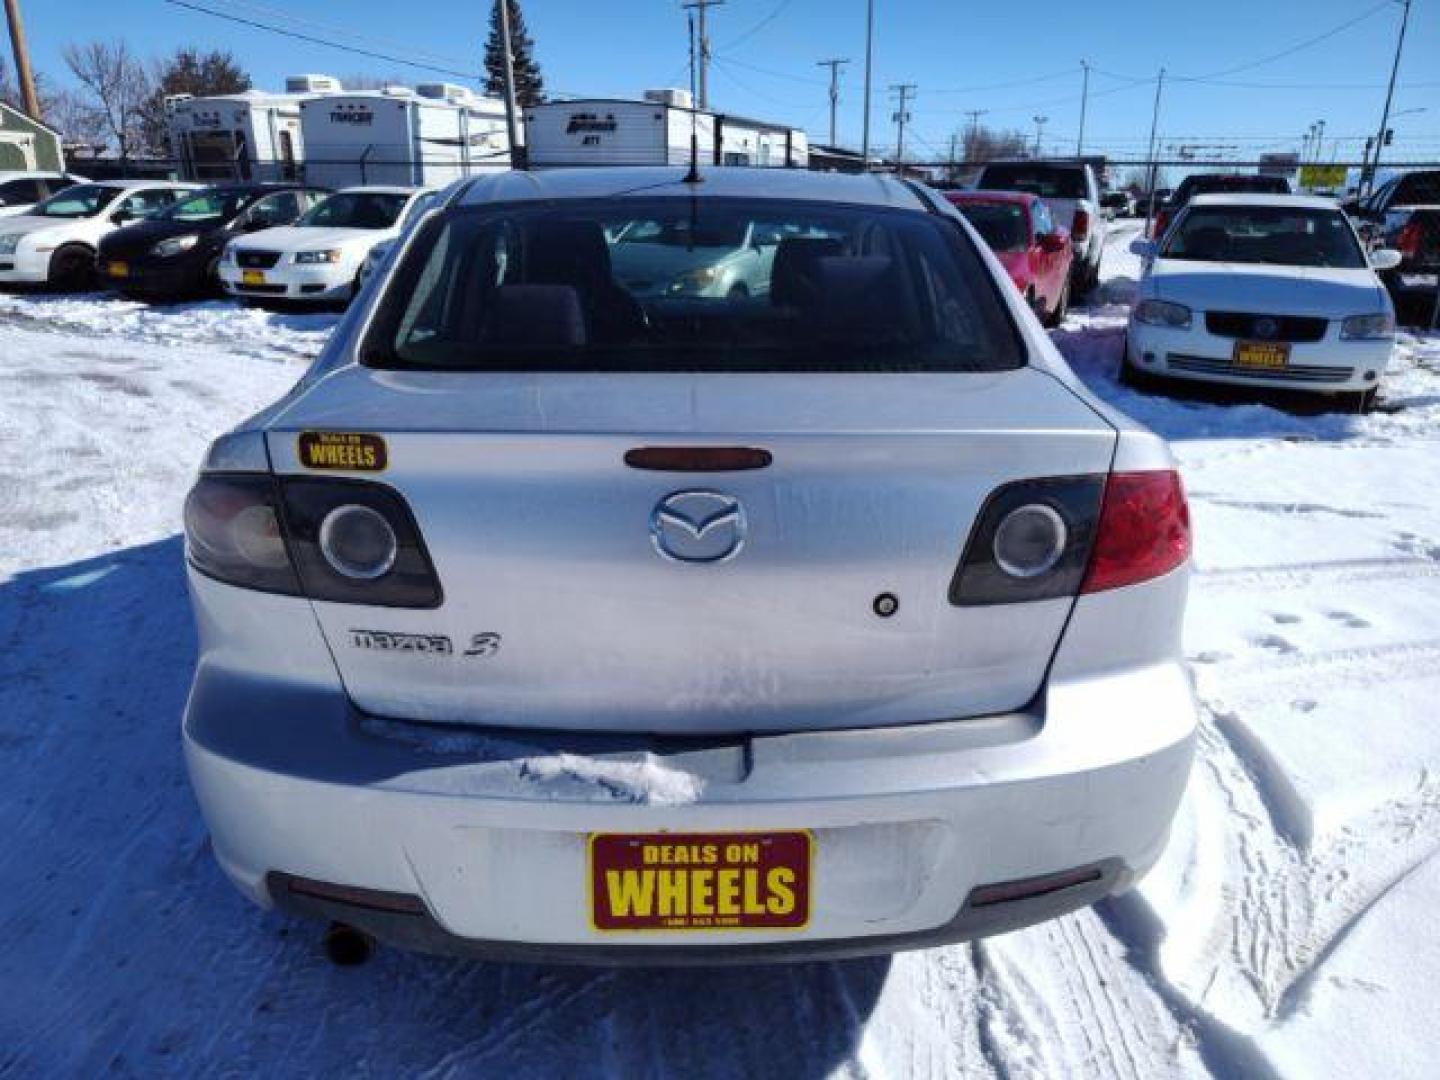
(685, 285)
(1280, 235)
(357, 210)
(1047, 181)
(208, 206)
(1001, 224)
(82, 201)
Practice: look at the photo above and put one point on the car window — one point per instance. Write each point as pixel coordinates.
(144, 204)
(81, 201)
(22, 192)
(1278, 235)
(356, 210)
(1000, 224)
(1044, 222)
(670, 285)
(207, 206)
(1047, 181)
(282, 208)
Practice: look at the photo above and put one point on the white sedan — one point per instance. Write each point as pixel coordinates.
(55, 242)
(1272, 290)
(319, 258)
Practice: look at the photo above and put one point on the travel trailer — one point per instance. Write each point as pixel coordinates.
(655, 131)
(429, 136)
(238, 137)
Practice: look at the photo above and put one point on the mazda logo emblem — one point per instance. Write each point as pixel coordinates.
(698, 527)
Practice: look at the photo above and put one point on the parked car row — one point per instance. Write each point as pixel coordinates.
(158, 240)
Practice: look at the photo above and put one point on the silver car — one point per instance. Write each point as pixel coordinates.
(542, 621)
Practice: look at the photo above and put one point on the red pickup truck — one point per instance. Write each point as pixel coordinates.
(1035, 251)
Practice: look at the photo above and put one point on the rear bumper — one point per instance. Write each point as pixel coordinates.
(482, 835)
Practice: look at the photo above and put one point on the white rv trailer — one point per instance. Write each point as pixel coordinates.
(249, 136)
(427, 137)
(655, 131)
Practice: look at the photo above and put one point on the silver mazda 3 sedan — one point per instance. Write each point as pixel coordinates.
(553, 618)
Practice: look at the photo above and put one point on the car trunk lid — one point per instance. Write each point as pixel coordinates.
(566, 607)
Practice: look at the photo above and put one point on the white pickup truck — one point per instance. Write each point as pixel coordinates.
(1072, 192)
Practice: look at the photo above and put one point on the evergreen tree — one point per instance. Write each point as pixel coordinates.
(529, 83)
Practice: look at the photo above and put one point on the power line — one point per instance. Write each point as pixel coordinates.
(313, 40)
(341, 31)
(1291, 50)
(775, 13)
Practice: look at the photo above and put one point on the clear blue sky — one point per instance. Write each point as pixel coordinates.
(957, 54)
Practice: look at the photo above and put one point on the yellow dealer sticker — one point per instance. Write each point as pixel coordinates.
(342, 451)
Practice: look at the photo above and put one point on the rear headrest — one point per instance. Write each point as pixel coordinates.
(567, 253)
(792, 276)
(536, 315)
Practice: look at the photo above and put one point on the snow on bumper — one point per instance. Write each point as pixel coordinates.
(1331, 364)
(491, 836)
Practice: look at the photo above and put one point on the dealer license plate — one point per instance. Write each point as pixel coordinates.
(1420, 281)
(700, 881)
(118, 269)
(1261, 354)
(252, 277)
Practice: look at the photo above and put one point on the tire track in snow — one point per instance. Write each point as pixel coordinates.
(1304, 575)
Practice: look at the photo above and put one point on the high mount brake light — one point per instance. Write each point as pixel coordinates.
(1144, 530)
(345, 541)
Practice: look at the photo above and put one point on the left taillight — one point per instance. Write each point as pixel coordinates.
(345, 541)
(233, 533)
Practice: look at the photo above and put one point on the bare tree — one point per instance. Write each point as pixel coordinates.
(7, 86)
(987, 144)
(115, 88)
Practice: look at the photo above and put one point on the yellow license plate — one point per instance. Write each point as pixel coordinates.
(118, 269)
(1261, 354)
(252, 277)
(700, 881)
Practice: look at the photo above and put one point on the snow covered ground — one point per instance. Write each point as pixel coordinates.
(1287, 932)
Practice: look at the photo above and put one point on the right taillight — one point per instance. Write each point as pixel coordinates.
(1143, 531)
(1080, 227)
(1162, 219)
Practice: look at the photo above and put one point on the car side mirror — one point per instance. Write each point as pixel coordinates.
(1385, 259)
(1144, 248)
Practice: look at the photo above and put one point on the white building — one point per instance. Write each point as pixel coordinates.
(432, 135)
(655, 131)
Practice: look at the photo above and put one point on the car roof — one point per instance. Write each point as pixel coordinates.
(380, 189)
(31, 174)
(717, 182)
(141, 182)
(987, 195)
(1260, 198)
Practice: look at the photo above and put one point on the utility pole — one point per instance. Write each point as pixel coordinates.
(1389, 98)
(869, 57)
(834, 66)
(1154, 123)
(512, 127)
(1084, 101)
(702, 6)
(901, 117)
(1040, 122)
(974, 115)
(1319, 139)
(29, 99)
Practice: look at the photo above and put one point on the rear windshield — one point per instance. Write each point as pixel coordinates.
(693, 285)
(1219, 185)
(357, 210)
(1280, 235)
(1002, 225)
(1047, 181)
